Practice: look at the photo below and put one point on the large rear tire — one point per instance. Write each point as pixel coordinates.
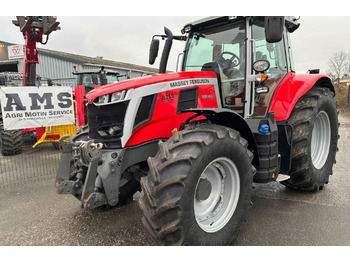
(314, 141)
(11, 141)
(198, 188)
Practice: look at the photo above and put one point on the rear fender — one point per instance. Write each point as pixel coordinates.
(291, 89)
(229, 118)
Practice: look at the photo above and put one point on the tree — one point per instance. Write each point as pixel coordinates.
(337, 65)
(347, 66)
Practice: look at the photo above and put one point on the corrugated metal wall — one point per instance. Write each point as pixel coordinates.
(133, 73)
(61, 70)
(54, 68)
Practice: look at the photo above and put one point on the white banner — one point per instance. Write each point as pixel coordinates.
(27, 107)
(15, 51)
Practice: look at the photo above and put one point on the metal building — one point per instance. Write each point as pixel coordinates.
(58, 66)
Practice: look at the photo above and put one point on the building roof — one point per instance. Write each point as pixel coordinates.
(86, 60)
(80, 59)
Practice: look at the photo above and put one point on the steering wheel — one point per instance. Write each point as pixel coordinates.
(231, 62)
(228, 65)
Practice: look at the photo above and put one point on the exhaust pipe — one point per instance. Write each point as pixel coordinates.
(166, 50)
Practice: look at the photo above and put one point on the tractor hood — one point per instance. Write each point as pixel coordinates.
(145, 81)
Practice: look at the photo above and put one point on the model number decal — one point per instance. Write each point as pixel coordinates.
(195, 81)
(207, 96)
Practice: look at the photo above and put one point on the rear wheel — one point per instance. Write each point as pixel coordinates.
(199, 187)
(11, 141)
(314, 141)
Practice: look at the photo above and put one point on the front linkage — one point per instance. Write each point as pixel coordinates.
(89, 173)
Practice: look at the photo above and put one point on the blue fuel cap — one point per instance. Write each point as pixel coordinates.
(264, 129)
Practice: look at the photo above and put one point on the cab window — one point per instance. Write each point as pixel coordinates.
(275, 53)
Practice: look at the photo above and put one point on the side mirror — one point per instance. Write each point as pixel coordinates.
(274, 28)
(153, 51)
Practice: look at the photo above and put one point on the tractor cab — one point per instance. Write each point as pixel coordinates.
(250, 56)
(92, 78)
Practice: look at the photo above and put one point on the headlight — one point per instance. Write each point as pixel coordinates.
(112, 98)
(117, 96)
(103, 99)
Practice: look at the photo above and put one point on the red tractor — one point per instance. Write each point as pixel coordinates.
(196, 140)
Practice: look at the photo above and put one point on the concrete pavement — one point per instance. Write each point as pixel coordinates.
(36, 215)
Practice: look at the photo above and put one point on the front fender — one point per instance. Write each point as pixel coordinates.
(291, 89)
(231, 119)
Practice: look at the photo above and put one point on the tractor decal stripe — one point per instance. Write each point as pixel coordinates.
(137, 83)
(162, 88)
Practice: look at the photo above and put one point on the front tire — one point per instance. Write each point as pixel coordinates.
(314, 140)
(198, 188)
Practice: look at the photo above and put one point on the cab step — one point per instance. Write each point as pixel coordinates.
(282, 177)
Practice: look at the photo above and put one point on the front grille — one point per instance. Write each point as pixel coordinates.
(102, 118)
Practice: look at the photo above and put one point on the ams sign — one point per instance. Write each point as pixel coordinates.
(27, 107)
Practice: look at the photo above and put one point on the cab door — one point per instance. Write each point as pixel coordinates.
(278, 57)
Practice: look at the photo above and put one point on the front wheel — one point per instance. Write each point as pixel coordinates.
(199, 187)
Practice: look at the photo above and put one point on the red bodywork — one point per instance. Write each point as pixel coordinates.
(289, 91)
(79, 96)
(31, 53)
(165, 117)
(145, 81)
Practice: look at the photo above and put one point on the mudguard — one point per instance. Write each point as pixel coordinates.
(291, 89)
(228, 118)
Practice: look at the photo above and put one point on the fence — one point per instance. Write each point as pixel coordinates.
(32, 165)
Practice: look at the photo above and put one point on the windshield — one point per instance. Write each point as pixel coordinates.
(89, 80)
(221, 50)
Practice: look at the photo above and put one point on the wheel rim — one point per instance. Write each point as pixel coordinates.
(321, 140)
(215, 209)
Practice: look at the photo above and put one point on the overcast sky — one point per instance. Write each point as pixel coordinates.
(127, 38)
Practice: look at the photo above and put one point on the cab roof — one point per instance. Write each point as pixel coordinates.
(214, 21)
(94, 71)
